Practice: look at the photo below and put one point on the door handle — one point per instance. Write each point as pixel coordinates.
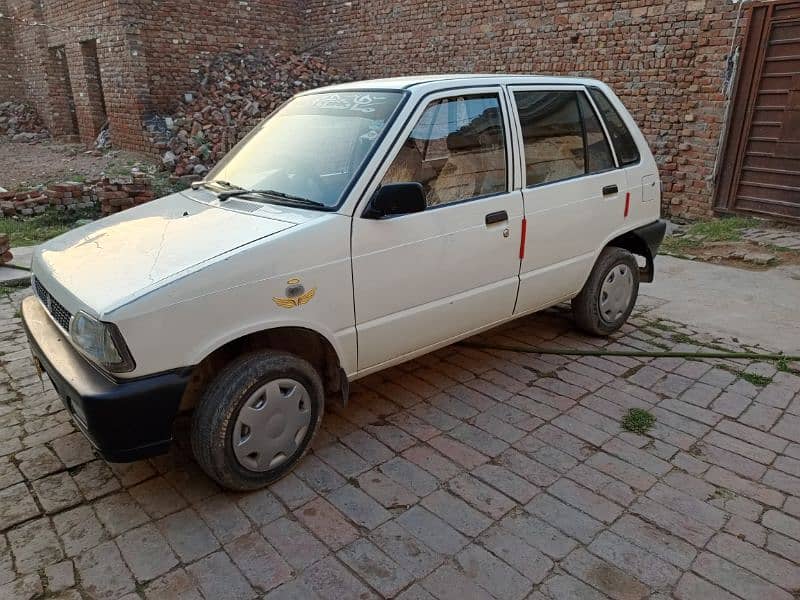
(496, 217)
(610, 189)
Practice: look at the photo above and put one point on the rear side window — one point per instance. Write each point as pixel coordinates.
(621, 137)
(598, 152)
(562, 136)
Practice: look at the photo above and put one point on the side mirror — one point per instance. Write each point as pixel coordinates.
(395, 199)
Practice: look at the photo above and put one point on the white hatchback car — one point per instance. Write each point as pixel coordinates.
(358, 227)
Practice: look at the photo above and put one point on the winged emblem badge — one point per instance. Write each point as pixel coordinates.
(296, 295)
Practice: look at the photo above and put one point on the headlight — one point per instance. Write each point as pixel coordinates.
(101, 342)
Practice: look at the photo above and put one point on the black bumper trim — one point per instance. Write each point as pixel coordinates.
(652, 235)
(125, 419)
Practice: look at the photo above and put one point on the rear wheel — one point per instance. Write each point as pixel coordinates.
(609, 295)
(257, 419)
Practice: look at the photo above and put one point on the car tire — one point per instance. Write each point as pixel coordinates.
(256, 419)
(609, 295)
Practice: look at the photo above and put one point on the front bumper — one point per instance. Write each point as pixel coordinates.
(125, 420)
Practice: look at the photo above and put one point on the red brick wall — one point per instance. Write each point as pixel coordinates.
(122, 65)
(666, 60)
(178, 36)
(31, 52)
(11, 87)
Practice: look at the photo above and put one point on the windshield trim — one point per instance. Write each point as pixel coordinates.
(358, 173)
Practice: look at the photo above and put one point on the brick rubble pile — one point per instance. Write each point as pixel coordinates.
(121, 193)
(234, 92)
(21, 122)
(5, 249)
(112, 194)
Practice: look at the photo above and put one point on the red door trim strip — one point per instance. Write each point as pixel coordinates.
(522, 238)
(627, 203)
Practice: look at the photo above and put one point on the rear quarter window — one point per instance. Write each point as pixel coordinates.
(624, 145)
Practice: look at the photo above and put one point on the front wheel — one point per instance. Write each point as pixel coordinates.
(257, 418)
(609, 295)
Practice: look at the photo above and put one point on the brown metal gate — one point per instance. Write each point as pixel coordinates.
(760, 170)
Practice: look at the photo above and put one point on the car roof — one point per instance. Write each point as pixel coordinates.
(431, 82)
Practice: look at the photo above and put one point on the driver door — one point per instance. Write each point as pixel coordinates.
(423, 280)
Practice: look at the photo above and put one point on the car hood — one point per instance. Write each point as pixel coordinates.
(106, 263)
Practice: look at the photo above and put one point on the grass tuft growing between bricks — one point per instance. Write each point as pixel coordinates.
(755, 379)
(638, 421)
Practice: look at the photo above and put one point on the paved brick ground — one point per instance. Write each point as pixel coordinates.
(465, 474)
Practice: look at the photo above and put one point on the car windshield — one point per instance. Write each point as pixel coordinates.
(311, 148)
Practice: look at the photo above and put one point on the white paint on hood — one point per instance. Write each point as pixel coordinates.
(109, 262)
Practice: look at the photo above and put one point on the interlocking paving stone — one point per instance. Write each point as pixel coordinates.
(218, 577)
(103, 573)
(327, 523)
(259, 562)
(604, 576)
(460, 474)
(691, 587)
(431, 530)
(333, 581)
(432, 461)
(146, 552)
(296, 545)
(539, 534)
(446, 583)
(34, 546)
(407, 474)
(359, 507)
(481, 496)
(565, 587)
(736, 579)
(380, 571)
(456, 512)
(188, 535)
(492, 574)
(566, 518)
(57, 492)
(646, 567)
(655, 540)
(175, 584)
(16, 505)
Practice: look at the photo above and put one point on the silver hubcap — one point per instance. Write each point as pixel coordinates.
(615, 294)
(272, 424)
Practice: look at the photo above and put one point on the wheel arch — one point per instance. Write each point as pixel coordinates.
(635, 244)
(303, 342)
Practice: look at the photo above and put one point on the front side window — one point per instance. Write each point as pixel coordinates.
(312, 147)
(624, 145)
(456, 150)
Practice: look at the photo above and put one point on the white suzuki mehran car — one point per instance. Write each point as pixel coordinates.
(359, 226)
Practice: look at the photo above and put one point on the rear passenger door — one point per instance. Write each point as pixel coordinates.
(573, 193)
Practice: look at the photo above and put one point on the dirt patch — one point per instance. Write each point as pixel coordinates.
(25, 165)
(743, 254)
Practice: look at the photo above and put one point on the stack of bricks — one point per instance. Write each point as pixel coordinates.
(113, 195)
(70, 194)
(24, 203)
(118, 194)
(5, 249)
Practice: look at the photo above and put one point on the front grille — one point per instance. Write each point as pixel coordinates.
(53, 306)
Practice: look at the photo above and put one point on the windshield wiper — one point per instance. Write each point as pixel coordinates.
(299, 200)
(215, 183)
